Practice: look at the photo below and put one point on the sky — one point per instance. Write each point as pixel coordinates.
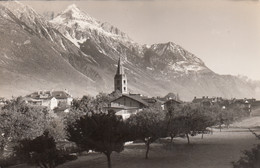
(225, 34)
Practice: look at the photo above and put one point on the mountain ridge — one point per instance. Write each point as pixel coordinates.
(86, 53)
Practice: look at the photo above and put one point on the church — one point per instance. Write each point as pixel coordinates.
(126, 104)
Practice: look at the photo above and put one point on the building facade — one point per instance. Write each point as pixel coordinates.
(127, 105)
(50, 99)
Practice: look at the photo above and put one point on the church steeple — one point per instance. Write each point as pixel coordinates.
(120, 68)
(120, 80)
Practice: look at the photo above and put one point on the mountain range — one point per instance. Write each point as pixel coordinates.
(75, 51)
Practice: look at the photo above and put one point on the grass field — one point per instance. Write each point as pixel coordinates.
(214, 151)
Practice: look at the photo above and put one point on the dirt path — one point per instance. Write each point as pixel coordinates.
(214, 151)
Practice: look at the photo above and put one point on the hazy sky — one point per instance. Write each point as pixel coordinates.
(225, 34)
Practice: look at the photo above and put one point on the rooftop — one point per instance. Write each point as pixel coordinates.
(49, 95)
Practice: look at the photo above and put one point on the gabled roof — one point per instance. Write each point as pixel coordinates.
(150, 100)
(60, 95)
(197, 100)
(137, 98)
(133, 97)
(172, 100)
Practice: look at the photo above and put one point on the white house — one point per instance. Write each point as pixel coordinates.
(50, 99)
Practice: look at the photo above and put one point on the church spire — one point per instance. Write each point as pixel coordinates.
(120, 68)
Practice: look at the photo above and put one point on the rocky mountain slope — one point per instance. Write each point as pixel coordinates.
(34, 55)
(77, 52)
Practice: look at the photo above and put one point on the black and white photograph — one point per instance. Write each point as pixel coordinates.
(130, 84)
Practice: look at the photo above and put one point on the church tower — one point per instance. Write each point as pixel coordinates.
(120, 80)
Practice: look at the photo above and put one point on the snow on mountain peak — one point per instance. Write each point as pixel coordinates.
(78, 26)
(72, 7)
(73, 12)
(178, 59)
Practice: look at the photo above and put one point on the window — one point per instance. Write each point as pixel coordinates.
(124, 88)
(124, 81)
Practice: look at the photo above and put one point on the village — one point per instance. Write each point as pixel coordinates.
(126, 104)
(155, 117)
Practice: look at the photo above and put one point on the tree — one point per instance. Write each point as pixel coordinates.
(183, 125)
(56, 128)
(79, 108)
(184, 121)
(99, 132)
(19, 121)
(88, 105)
(147, 125)
(172, 130)
(189, 119)
(84, 104)
(101, 101)
(41, 152)
(229, 113)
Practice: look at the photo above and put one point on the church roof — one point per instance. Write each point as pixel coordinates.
(172, 101)
(133, 97)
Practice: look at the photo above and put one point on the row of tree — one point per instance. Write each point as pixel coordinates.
(91, 127)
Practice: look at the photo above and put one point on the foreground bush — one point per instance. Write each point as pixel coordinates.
(41, 152)
(250, 159)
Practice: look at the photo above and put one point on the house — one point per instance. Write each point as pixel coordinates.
(153, 102)
(2, 101)
(126, 105)
(206, 101)
(47, 102)
(171, 103)
(50, 99)
(63, 97)
(246, 103)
